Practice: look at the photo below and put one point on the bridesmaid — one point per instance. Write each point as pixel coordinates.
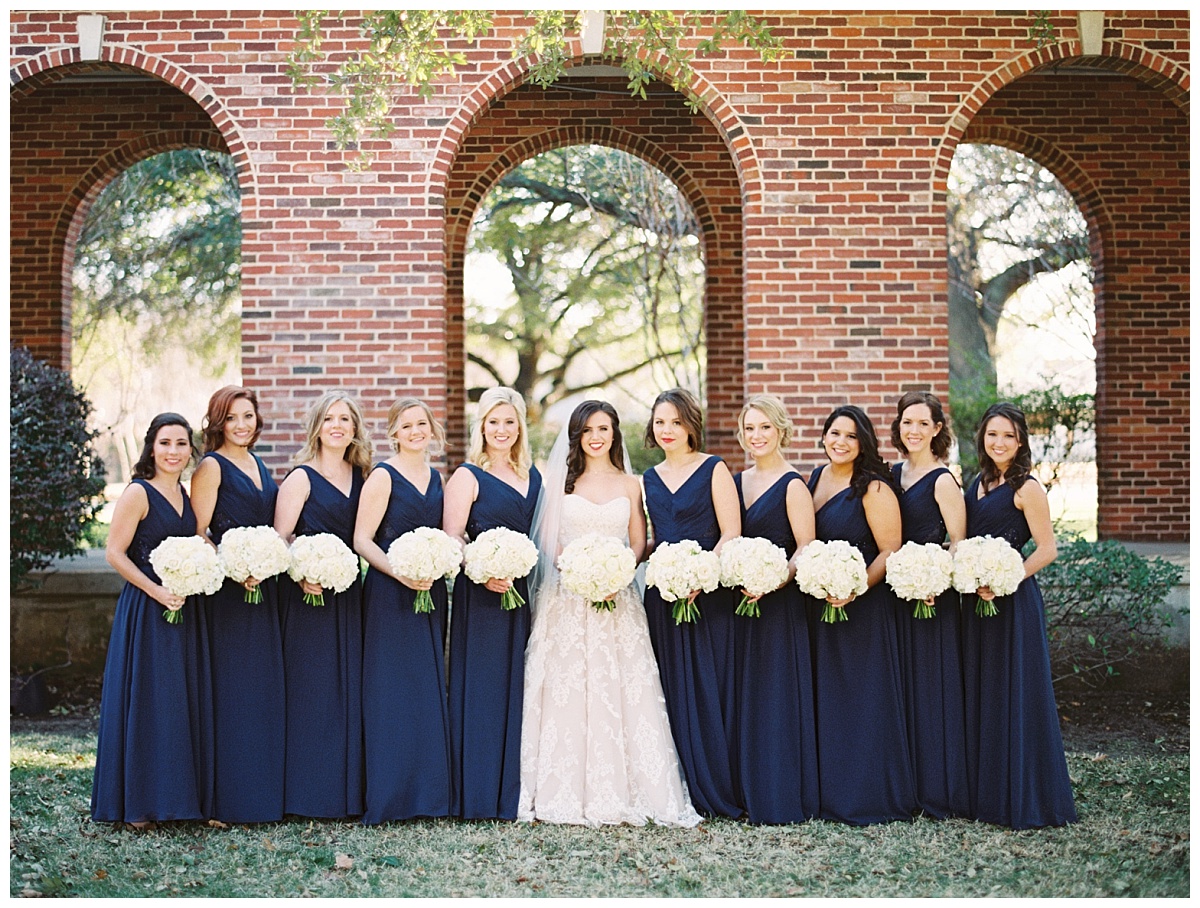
(497, 486)
(404, 676)
(931, 509)
(862, 745)
(691, 495)
(152, 759)
(776, 728)
(1015, 762)
(232, 488)
(323, 646)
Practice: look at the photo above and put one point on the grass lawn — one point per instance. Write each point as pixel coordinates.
(1132, 840)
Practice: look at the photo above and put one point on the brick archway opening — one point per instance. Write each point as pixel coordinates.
(687, 147)
(1116, 134)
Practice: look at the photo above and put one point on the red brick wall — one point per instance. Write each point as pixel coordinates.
(840, 154)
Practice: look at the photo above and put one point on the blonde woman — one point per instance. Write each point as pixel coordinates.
(497, 487)
(404, 671)
(322, 646)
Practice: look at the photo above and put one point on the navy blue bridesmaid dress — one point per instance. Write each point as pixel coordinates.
(487, 666)
(862, 742)
(322, 666)
(406, 727)
(776, 725)
(931, 663)
(246, 653)
(695, 659)
(1016, 766)
(153, 753)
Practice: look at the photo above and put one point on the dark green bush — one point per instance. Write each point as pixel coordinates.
(56, 476)
(1101, 600)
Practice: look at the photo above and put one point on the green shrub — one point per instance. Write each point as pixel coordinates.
(56, 476)
(1101, 599)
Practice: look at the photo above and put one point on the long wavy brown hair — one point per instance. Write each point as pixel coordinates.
(868, 466)
(1022, 464)
(576, 459)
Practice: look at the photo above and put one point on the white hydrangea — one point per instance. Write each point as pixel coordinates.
(987, 561)
(325, 560)
(919, 571)
(501, 552)
(677, 568)
(755, 565)
(595, 567)
(424, 553)
(257, 552)
(186, 566)
(831, 570)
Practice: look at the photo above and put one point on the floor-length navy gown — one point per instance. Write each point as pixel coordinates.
(153, 752)
(776, 725)
(695, 659)
(931, 663)
(246, 652)
(487, 666)
(1016, 766)
(862, 744)
(405, 723)
(322, 662)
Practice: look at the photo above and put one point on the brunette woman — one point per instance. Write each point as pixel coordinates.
(1015, 762)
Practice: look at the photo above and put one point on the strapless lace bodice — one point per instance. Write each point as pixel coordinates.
(580, 517)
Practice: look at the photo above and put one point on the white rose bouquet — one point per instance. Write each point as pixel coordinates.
(424, 553)
(501, 552)
(325, 560)
(677, 568)
(831, 570)
(755, 565)
(987, 561)
(187, 566)
(257, 552)
(595, 567)
(918, 572)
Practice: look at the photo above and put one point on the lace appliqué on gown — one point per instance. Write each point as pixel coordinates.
(596, 745)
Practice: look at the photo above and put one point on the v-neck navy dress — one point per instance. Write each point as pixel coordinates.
(153, 753)
(776, 724)
(931, 663)
(405, 718)
(695, 659)
(1016, 766)
(487, 666)
(322, 663)
(862, 742)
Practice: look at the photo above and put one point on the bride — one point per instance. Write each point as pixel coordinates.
(596, 746)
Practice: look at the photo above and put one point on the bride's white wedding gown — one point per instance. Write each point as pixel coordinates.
(596, 745)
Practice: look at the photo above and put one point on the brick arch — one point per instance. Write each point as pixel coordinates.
(49, 67)
(1116, 56)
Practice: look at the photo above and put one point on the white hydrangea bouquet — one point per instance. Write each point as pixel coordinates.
(595, 567)
(187, 566)
(755, 565)
(501, 552)
(677, 568)
(257, 552)
(831, 570)
(919, 571)
(987, 561)
(325, 560)
(424, 553)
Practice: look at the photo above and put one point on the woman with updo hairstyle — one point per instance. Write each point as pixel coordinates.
(323, 645)
(691, 495)
(1016, 768)
(497, 487)
(406, 728)
(776, 724)
(232, 488)
(931, 511)
(153, 758)
(862, 746)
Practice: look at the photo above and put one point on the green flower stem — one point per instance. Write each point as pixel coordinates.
(683, 610)
(985, 608)
(423, 604)
(831, 615)
(748, 608)
(922, 609)
(511, 599)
